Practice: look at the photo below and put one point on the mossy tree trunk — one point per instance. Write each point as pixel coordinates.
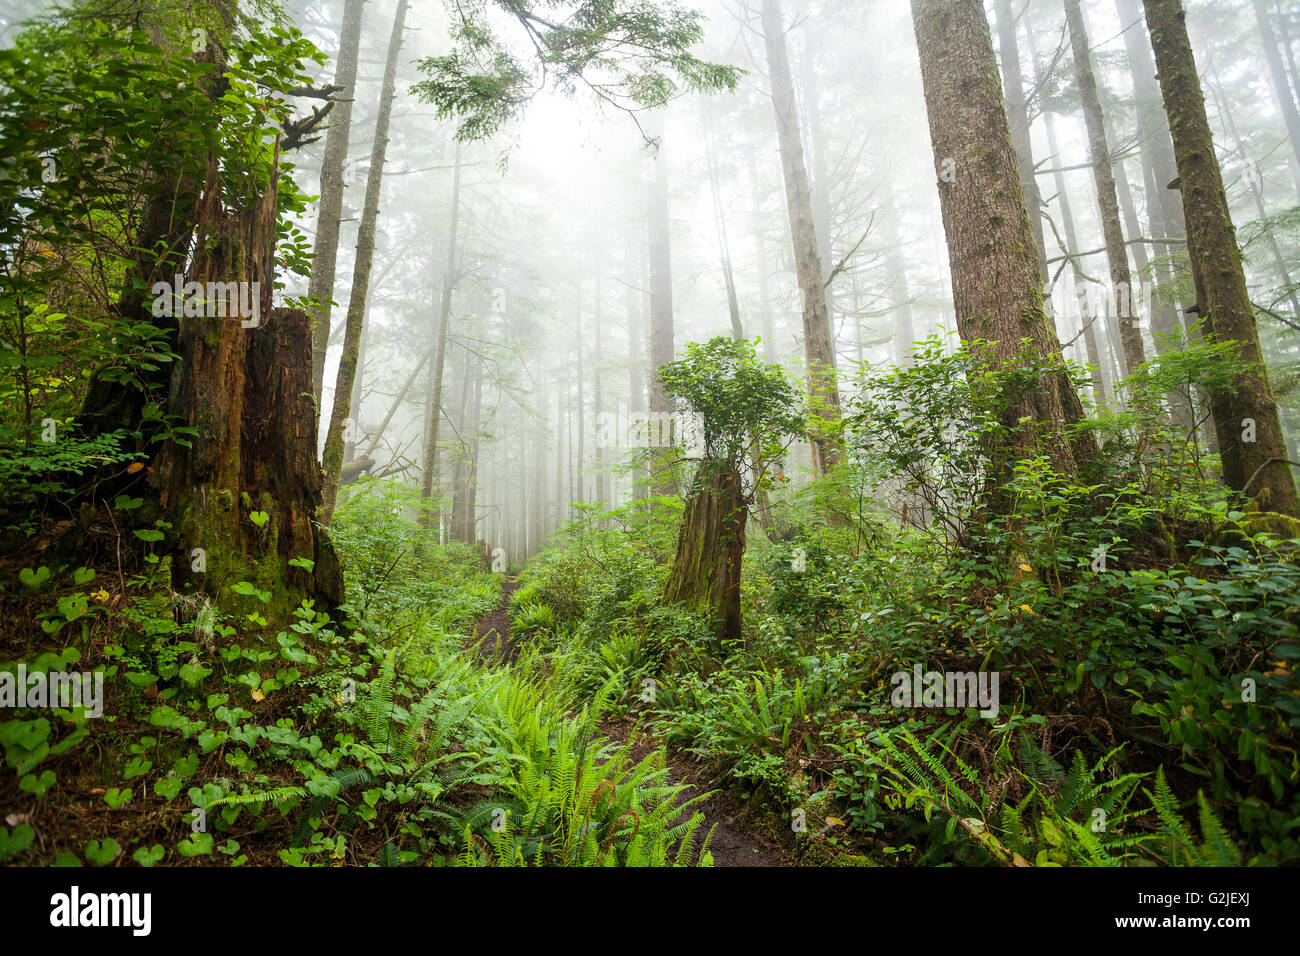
(1255, 468)
(243, 496)
(705, 576)
(997, 285)
(245, 391)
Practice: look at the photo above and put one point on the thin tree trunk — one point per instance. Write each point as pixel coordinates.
(823, 389)
(633, 302)
(1096, 367)
(429, 476)
(332, 461)
(326, 245)
(1256, 468)
(900, 294)
(1121, 279)
(1279, 262)
(1281, 89)
(821, 188)
(760, 258)
(720, 224)
(392, 409)
(581, 459)
(354, 420)
(465, 510)
(598, 403)
(1018, 120)
(1158, 147)
(661, 313)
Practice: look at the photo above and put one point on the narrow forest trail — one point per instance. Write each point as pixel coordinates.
(491, 638)
(732, 845)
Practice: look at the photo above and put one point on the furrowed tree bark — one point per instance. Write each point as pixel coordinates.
(1121, 279)
(823, 387)
(997, 286)
(332, 460)
(1258, 468)
(326, 246)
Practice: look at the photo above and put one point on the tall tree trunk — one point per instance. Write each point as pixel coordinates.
(823, 389)
(720, 225)
(537, 535)
(760, 258)
(598, 403)
(1018, 120)
(354, 420)
(580, 461)
(661, 313)
(326, 245)
(332, 460)
(394, 406)
(1121, 279)
(997, 287)
(1257, 193)
(429, 473)
(634, 297)
(1256, 468)
(1281, 89)
(899, 293)
(1096, 367)
(464, 519)
(1162, 322)
(1158, 147)
(821, 185)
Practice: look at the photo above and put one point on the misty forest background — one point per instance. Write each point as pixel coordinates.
(966, 333)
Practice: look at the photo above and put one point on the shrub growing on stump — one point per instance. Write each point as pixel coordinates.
(741, 414)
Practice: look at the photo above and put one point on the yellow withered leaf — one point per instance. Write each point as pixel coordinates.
(258, 695)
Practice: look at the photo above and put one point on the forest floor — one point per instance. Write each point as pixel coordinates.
(732, 844)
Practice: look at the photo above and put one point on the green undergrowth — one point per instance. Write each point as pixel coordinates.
(1145, 630)
(379, 740)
